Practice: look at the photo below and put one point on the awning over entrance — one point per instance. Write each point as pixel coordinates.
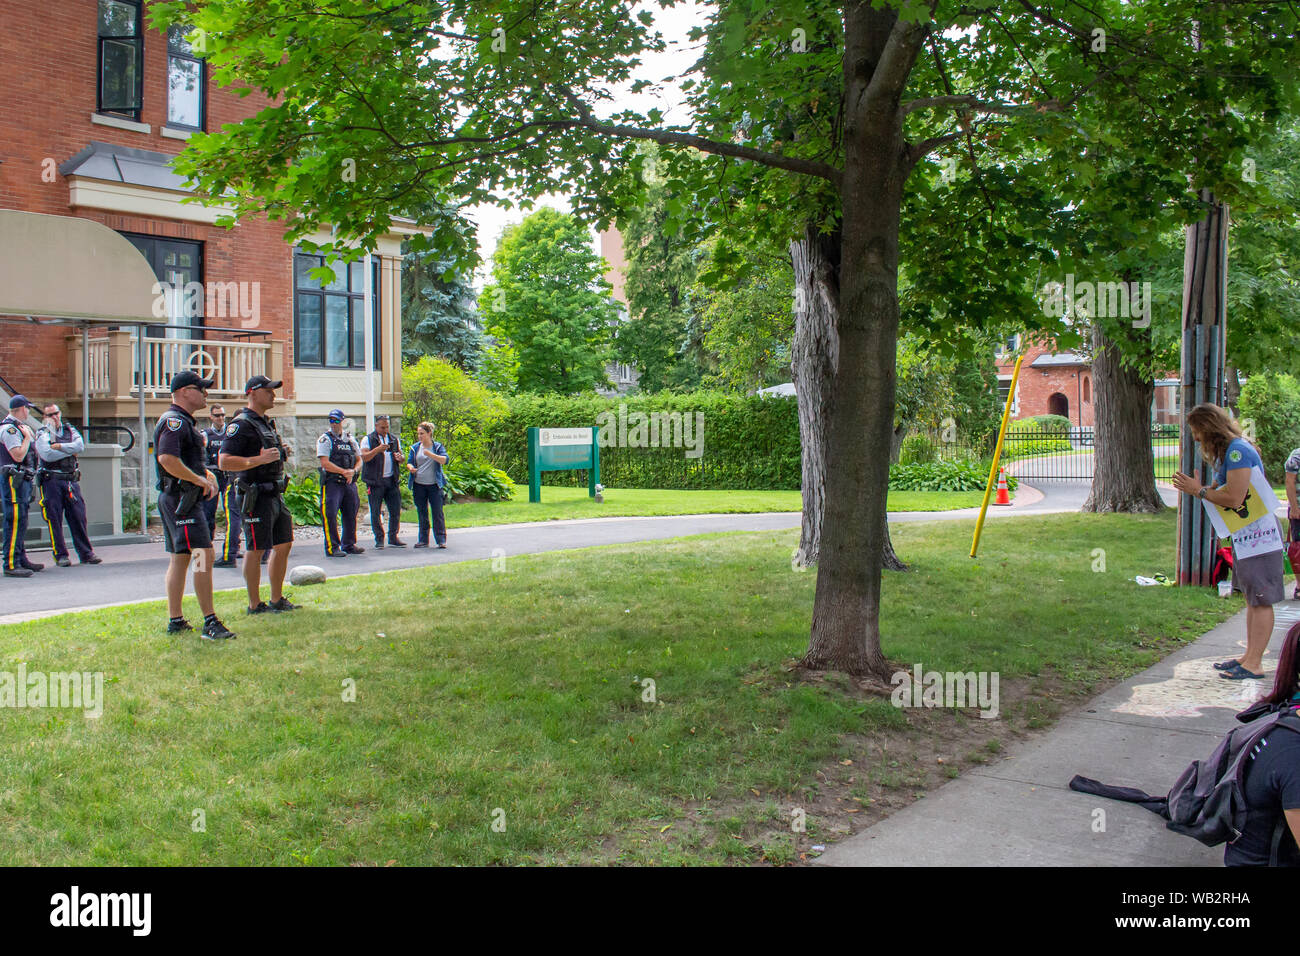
(70, 271)
(65, 268)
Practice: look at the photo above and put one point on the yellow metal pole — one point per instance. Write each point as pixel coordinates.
(997, 457)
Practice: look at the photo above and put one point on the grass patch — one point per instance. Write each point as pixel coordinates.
(567, 502)
(524, 691)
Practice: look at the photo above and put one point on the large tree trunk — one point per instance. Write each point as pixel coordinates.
(860, 420)
(1123, 466)
(814, 357)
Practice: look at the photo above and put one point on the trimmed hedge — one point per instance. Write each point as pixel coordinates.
(749, 441)
(959, 475)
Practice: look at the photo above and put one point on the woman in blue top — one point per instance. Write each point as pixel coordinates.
(1259, 577)
(427, 480)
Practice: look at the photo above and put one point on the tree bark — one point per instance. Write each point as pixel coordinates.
(860, 413)
(1123, 467)
(814, 358)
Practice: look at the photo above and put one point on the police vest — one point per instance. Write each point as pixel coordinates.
(372, 472)
(214, 437)
(8, 460)
(66, 467)
(188, 457)
(342, 453)
(270, 438)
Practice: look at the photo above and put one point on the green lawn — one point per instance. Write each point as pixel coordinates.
(515, 694)
(567, 502)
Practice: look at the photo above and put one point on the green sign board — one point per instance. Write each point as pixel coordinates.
(562, 449)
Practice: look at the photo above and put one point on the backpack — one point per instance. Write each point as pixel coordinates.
(1207, 801)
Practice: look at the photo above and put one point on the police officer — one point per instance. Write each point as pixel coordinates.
(182, 482)
(381, 452)
(214, 434)
(252, 448)
(17, 469)
(340, 463)
(59, 479)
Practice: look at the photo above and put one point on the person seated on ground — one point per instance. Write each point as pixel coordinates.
(1272, 778)
(1293, 516)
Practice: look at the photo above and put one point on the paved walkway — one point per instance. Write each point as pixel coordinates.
(134, 572)
(1021, 812)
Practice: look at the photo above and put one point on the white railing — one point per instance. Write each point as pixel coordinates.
(113, 364)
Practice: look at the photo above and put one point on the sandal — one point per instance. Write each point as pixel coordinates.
(1227, 665)
(1240, 673)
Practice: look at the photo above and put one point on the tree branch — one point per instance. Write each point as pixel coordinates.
(793, 164)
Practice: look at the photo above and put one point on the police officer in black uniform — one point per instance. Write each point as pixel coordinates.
(18, 463)
(59, 481)
(215, 433)
(252, 448)
(340, 462)
(183, 482)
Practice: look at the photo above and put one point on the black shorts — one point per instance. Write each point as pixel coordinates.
(268, 525)
(183, 535)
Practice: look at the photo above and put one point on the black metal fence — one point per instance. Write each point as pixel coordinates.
(1052, 454)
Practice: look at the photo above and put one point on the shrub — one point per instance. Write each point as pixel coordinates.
(959, 475)
(917, 449)
(461, 410)
(479, 481)
(1272, 402)
(302, 498)
(750, 441)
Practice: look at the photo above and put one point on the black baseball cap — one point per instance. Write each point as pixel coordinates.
(336, 415)
(260, 381)
(183, 379)
(20, 401)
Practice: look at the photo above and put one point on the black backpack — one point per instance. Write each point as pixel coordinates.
(1207, 801)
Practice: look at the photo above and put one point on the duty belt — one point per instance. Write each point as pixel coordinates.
(73, 475)
(22, 471)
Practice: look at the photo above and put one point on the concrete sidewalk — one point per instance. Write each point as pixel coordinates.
(1021, 812)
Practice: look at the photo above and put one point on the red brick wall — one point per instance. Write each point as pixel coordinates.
(1037, 385)
(47, 75)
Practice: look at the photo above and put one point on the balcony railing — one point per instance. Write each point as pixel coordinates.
(112, 361)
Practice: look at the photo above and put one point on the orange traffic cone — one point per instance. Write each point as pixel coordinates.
(1003, 497)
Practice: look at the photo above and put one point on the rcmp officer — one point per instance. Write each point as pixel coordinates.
(215, 433)
(59, 480)
(253, 450)
(340, 463)
(18, 469)
(182, 482)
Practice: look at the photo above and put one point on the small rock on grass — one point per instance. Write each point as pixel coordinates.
(306, 574)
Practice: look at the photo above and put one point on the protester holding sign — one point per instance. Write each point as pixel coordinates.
(1238, 504)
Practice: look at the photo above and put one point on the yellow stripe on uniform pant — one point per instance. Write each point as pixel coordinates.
(325, 521)
(46, 515)
(13, 537)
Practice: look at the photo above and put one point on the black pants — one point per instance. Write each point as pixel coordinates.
(336, 496)
(386, 492)
(227, 500)
(429, 498)
(15, 496)
(61, 498)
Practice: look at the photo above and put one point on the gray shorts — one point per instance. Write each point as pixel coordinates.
(1259, 578)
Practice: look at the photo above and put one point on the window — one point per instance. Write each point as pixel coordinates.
(1008, 345)
(179, 264)
(329, 318)
(121, 58)
(1087, 396)
(186, 82)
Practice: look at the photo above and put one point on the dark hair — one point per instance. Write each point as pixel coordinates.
(1287, 680)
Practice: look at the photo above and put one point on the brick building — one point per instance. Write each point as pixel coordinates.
(1060, 383)
(95, 106)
